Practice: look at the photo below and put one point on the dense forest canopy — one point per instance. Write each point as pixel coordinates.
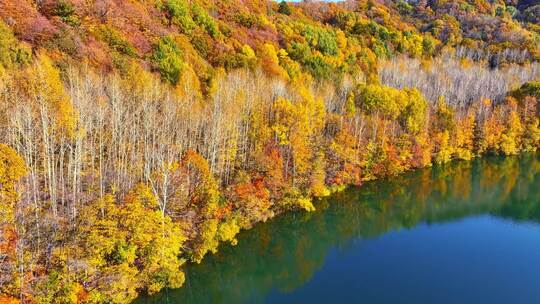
(136, 135)
(324, 38)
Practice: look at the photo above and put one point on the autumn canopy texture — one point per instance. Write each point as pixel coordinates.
(137, 135)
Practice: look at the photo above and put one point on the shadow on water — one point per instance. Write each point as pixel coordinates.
(285, 253)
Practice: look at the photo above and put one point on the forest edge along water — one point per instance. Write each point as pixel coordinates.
(465, 232)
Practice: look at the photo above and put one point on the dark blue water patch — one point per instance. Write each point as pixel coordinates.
(480, 259)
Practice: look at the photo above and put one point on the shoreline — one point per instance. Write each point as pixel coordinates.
(333, 193)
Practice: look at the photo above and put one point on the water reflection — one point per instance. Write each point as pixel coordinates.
(285, 253)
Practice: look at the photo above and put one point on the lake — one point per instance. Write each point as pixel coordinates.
(466, 232)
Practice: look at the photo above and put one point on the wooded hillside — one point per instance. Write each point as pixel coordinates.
(137, 135)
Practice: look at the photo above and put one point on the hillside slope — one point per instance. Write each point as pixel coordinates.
(138, 135)
(325, 39)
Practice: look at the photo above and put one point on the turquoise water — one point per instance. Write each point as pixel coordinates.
(467, 232)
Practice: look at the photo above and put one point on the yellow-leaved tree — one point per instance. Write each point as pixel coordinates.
(203, 196)
(511, 138)
(531, 136)
(46, 88)
(12, 169)
(464, 137)
(443, 126)
(131, 246)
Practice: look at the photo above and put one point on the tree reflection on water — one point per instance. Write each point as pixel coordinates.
(286, 252)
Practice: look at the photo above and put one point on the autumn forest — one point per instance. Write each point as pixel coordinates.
(138, 135)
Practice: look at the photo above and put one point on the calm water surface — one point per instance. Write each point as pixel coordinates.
(467, 232)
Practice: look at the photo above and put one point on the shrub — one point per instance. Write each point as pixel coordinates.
(66, 12)
(531, 88)
(115, 40)
(327, 43)
(284, 8)
(11, 52)
(318, 67)
(176, 8)
(201, 43)
(179, 14)
(322, 40)
(205, 21)
(168, 57)
(299, 51)
(246, 20)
